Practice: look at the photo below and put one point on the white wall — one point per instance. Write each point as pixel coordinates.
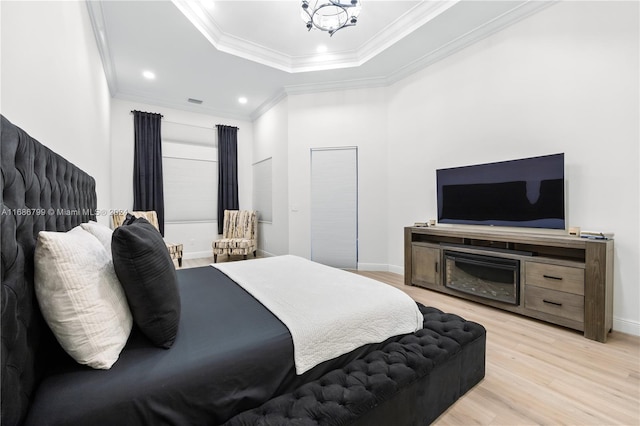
(336, 119)
(53, 85)
(563, 80)
(271, 140)
(196, 237)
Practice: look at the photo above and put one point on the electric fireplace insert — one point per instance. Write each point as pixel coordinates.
(491, 277)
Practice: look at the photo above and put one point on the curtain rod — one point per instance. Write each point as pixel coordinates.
(162, 116)
(233, 127)
(132, 111)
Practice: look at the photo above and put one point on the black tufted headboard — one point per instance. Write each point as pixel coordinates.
(40, 191)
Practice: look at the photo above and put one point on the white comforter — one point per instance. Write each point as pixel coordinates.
(328, 311)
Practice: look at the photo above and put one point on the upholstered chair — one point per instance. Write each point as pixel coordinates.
(175, 250)
(239, 234)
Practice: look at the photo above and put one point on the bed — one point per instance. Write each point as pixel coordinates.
(232, 361)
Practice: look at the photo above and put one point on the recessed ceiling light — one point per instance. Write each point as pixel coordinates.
(148, 75)
(242, 100)
(321, 49)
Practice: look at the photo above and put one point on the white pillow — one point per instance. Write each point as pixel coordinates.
(101, 232)
(80, 296)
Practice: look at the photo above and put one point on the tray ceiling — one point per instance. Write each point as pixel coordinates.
(219, 51)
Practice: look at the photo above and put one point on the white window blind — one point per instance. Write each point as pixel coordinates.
(263, 189)
(190, 173)
(190, 189)
(334, 207)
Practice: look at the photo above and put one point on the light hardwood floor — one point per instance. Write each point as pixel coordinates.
(536, 373)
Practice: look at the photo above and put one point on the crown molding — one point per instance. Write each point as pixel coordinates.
(198, 15)
(508, 18)
(303, 89)
(411, 20)
(329, 86)
(268, 104)
(100, 33)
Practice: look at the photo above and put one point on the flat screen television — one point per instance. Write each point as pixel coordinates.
(527, 192)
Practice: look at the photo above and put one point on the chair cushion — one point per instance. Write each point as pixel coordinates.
(174, 248)
(232, 243)
(242, 243)
(145, 269)
(222, 243)
(80, 297)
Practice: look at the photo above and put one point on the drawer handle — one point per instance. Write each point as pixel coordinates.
(552, 303)
(551, 277)
(436, 267)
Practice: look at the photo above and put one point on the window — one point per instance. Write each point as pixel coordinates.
(190, 170)
(190, 189)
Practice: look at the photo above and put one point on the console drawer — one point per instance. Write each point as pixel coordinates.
(558, 303)
(555, 277)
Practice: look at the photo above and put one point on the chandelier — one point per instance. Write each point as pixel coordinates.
(331, 15)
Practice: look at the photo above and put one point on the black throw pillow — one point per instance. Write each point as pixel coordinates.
(145, 270)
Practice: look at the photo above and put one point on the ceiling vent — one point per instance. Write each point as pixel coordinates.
(194, 101)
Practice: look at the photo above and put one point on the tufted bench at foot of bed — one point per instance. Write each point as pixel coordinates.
(408, 382)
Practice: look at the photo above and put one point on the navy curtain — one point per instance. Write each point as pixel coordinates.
(147, 165)
(227, 171)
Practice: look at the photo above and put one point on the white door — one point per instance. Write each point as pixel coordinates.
(334, 207)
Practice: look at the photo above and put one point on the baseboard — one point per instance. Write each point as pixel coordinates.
(396, 269)
(626, 326)
(197, 254)
(373, 267)
(262, 253)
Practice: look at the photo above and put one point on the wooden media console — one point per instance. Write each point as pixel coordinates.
(560, 279)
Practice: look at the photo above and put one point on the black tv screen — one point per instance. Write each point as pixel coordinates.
(528, 192)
